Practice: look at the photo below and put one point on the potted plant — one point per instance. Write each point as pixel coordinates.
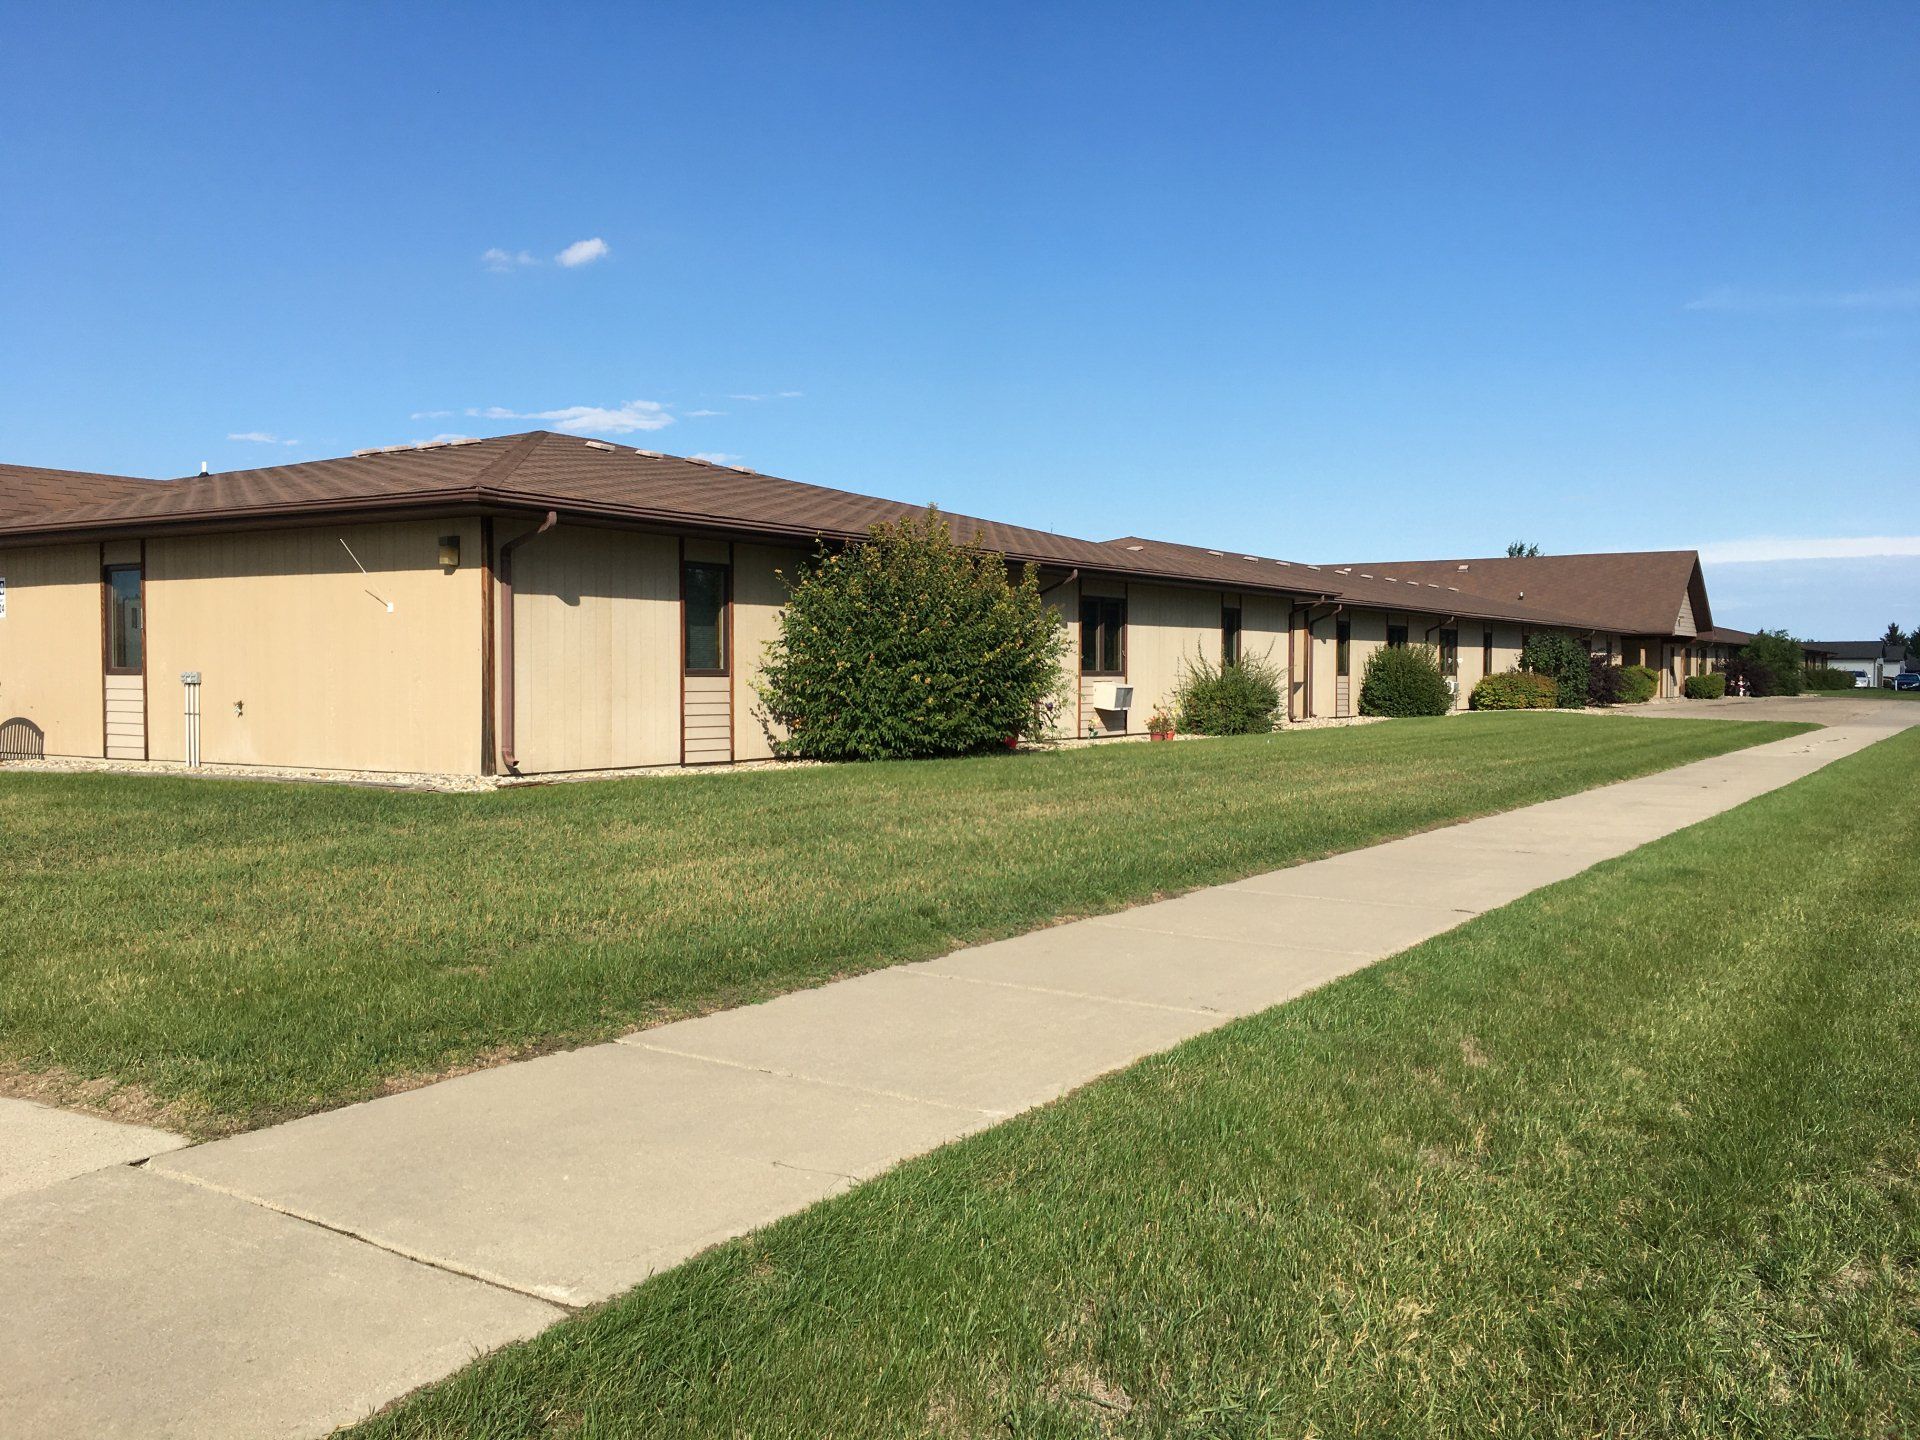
(1160, 725)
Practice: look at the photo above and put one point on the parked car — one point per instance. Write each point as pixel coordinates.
(1906, 682)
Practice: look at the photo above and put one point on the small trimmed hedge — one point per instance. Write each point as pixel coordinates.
(1704, 687)
(1404, 680)
(1638, 684)
(1825, 677)
(1239, 699)
(1604, 681)
(1516, 690)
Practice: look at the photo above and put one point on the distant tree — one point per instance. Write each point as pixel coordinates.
(1894, 636)
(1521, 550)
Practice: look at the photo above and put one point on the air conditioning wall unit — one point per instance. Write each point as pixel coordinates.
(1113, 697)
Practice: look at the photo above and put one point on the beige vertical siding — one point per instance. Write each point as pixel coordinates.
(50, 661)
(759, 593)
(1167, 629)
(597, 649)
(301, 664)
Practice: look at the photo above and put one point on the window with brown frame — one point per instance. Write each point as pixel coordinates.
(705, 592)
(1103, 635)
(1486, 651)
(1343, 647)
(1449, 652)
(126, 621)
(1396, 636)
(1229, 635)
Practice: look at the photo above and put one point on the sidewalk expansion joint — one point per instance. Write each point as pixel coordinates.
(412, 1257)
(1067, 994)
(821, 1080)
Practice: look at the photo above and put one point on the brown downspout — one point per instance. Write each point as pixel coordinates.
(1306, 692)
(505, 584)
(1066, 579)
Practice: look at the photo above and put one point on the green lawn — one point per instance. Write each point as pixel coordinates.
(233, 953)
(1636, 1156)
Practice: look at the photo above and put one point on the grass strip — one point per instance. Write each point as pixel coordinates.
(218, 955)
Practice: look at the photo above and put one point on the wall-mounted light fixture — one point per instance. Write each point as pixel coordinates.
(450, 552)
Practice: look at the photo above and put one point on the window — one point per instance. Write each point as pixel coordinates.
(1486, 651)
(126, 625)
(1449, 652)
(705, 591)
(1343, 647)
(1396, 636)
(1229, 635)
(1103, 635)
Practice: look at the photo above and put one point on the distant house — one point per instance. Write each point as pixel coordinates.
(1873, 663)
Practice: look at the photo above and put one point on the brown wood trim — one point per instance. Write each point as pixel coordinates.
(680, 579)
(106, 601)
(146, 632)
(733, 707)
(488, 659)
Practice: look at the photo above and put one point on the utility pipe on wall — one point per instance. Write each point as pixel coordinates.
(505, 580)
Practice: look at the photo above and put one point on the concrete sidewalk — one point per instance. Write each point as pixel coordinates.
(290, 1280)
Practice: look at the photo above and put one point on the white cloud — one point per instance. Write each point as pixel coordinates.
(715, 457)
(702, 414)
(500, 261)
(444, 438)
(430, 414)
(1772, 547)
(1733, 298)
(259, 437)
(589, 419)
(583, 252)
(773, 395)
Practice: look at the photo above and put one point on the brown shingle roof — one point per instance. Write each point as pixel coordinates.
(29, 489)
(1382, 590)
(538, 470)
(1635, 592)
(1721, 635)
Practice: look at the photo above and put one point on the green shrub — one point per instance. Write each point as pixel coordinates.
(1825, 677)
(1404, 680)
(1237, 699)
(1761, 678)
(1515, 690)
(1783, 655)
(907, 644)
(1638, 684)
(1565, 659)
(1704, 687)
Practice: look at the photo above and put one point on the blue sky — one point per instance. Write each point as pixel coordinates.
(1328, 281)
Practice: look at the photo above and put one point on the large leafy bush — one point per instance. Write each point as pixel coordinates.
(1783, 655)
(1760, 678)
(1825, 677)
(1404, 680)
(1516, 690)
(1605, 683)
(1565, 659)
(1638, 684)
(1704, 687)
(910, 643)
(1239, 699)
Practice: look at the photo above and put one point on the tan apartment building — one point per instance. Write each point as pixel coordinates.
(543, 603)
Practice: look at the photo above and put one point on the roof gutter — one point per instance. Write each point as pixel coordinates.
(504, 578)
